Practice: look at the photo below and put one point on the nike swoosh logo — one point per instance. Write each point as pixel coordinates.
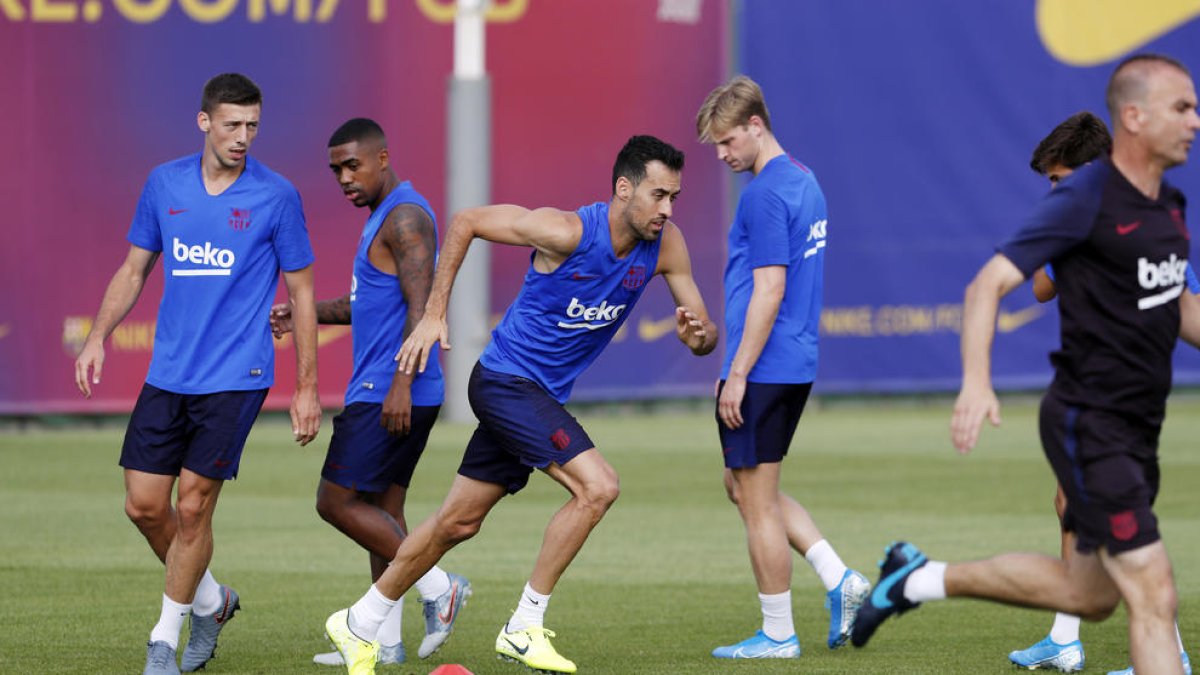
(520, 650)
(1126, 229)
(450, 610)
(1008, 322)
(650, 330)
(175, 212)
(885, 585)
(1092, 32)
(582, 277)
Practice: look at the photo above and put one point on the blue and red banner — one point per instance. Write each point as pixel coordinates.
(97, 92)
(918, 118)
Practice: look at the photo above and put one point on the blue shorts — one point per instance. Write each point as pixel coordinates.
(521, 428)
(1107, 465)
(203, 433)
(362, 454)
(770, 413)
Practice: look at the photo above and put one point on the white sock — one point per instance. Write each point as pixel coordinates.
(369, 613)
(170, 622)
(926, 583)
(389, 630)
(531, 610)
(1178, 638)
(1065, 629)
(434, 584)
(777, 615)
(827, 564)
(209, 597)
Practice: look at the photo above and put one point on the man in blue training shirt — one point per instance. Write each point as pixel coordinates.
(379, 437)
(587, 270)
(228, 225)
(1080, 139)
(773, 283)
(1119, 241)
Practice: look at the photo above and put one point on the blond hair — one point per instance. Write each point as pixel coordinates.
(731, 105)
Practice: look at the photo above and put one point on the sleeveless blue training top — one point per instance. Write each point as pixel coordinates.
(377, 315)
(561, 321)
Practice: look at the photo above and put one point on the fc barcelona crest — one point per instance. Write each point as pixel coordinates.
(635, 278)
(239, 219)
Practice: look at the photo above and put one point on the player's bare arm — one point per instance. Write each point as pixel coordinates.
(769, 285)
(120, 296)
(335, 311)
(692, 324)
(1189, 318)
(977, 400)
(409, 241)
(1043, 286)
(553, 233)
(306, 405)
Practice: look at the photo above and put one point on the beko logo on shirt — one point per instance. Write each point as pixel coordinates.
(1171, 273)
(816, 231)
(218, 260)
(595, 317)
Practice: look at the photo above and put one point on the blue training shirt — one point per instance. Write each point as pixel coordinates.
(221, 259)
(780, 220)
(561, 321)
(378, 312)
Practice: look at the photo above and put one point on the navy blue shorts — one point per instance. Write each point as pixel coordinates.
(1107, 465)
(203, 433)
(770, 413)
(521, 428)
(362, 454)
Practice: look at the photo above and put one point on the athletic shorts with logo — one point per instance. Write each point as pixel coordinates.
(770, 413)
(521, 428)
(203, 433)
(1107, 465)
(362, 454)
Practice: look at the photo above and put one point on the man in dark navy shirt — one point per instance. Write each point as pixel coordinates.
(1116, 236)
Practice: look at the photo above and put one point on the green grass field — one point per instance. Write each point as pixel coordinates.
(663, 580)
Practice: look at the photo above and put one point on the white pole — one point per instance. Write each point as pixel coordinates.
(468, 183)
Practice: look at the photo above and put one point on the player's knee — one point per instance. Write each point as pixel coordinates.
(599, 495)
(731, 488)
(195, 516)
(147, 515)
(1096, 605)
(457, 530)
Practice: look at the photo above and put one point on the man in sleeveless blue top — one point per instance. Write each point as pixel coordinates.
(1078, 140)
(587, 270)
(773, 284)
(379, 437)
(1118, 239)
(225, 225)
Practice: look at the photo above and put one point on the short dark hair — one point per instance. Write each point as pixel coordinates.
(1079, 139)
(233, 88)
(640, 151)
(1128, 80)
(357, 129)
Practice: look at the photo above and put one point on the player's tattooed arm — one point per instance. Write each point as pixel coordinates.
(336, 311)
(411, 240)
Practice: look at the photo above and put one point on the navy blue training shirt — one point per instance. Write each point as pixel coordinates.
(1120, 262)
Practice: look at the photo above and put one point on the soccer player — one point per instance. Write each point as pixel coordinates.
(228, 225)
(1117, 235)
(381, 434)
(1079, 139)
(773, 282)
(587, 270)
